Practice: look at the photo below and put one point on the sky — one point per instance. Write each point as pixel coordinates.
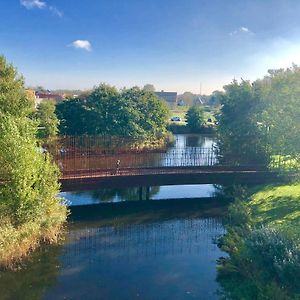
(176, 45)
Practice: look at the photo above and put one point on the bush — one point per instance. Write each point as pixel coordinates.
(264, 262)
(195, 118)
(30, 211)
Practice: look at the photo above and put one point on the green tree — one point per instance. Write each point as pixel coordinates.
(261, 119)
(47, 119)
(281, 110)
(241, 139)
(149, 87)
(106, 111)
(30, 211)
(195, 118)
(216, 98)
(188, 98)
(73, 117)
(13, 97)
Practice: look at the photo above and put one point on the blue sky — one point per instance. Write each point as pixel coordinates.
(175, 45)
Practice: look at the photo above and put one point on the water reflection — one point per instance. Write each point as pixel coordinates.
(194, 140)
(38, 274)
(130, 250)
(165, 260)
(132, 194)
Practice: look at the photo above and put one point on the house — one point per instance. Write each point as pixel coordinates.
(44, 96)
(169, 97)
(198, 101)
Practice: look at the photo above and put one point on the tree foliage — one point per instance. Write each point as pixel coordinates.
(106, 111)
(13, 97)
(262, 118)
(241, 139)
(29, 208)
(48, 121)
(149, 87)
(195, 118)
(280, 113)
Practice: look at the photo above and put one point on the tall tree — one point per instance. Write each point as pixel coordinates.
(47, 119)
(281, 110)
(13, 98)
(241, 139)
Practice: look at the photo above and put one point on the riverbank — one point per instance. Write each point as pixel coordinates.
(263, 243)
(184, 129)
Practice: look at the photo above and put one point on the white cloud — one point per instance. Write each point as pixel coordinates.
(56, 11)
(241, 30)
(33, 4)
(82, 44)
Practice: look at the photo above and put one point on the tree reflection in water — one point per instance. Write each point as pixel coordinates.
(39, 273)
(116, 195)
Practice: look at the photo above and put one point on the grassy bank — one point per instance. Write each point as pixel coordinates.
(276, 205)
(176, 128)
(262, 240)
(17, 242)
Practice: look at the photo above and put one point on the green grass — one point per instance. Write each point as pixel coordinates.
(178, 112)
(209, 113)
(285, 162)
(277, 205)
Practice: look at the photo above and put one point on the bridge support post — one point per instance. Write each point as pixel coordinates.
(147, 193)
(140, 193)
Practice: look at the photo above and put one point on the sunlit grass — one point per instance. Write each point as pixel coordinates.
(284, 162)
(277, 205)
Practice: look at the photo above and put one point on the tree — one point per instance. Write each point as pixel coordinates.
(129, 113)
(149, 87)
(30, 211)
(261, 119)
(72, 116)
(188, 98)
(281, 110)
(13, 97)
(241, 139)
(47, 119)
(195, 118)
(216, 98)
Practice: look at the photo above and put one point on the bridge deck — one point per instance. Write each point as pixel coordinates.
(82, 180)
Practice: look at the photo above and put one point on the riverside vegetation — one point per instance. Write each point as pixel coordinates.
(259, 123)
(130, 113)
(30, 212)
(263, 238)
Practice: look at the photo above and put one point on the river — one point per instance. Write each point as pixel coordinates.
(126, 249)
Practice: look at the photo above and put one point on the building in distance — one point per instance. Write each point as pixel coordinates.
(169, 97)
(46, 96)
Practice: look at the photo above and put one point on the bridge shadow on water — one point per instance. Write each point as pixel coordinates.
(136, 212)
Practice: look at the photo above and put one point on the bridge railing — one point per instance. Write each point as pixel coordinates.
(85, 162)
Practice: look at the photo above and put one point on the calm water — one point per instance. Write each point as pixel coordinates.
(194, 140)
(132, 194)
(130, 249)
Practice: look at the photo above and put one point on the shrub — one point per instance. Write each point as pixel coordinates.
(195, 118)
